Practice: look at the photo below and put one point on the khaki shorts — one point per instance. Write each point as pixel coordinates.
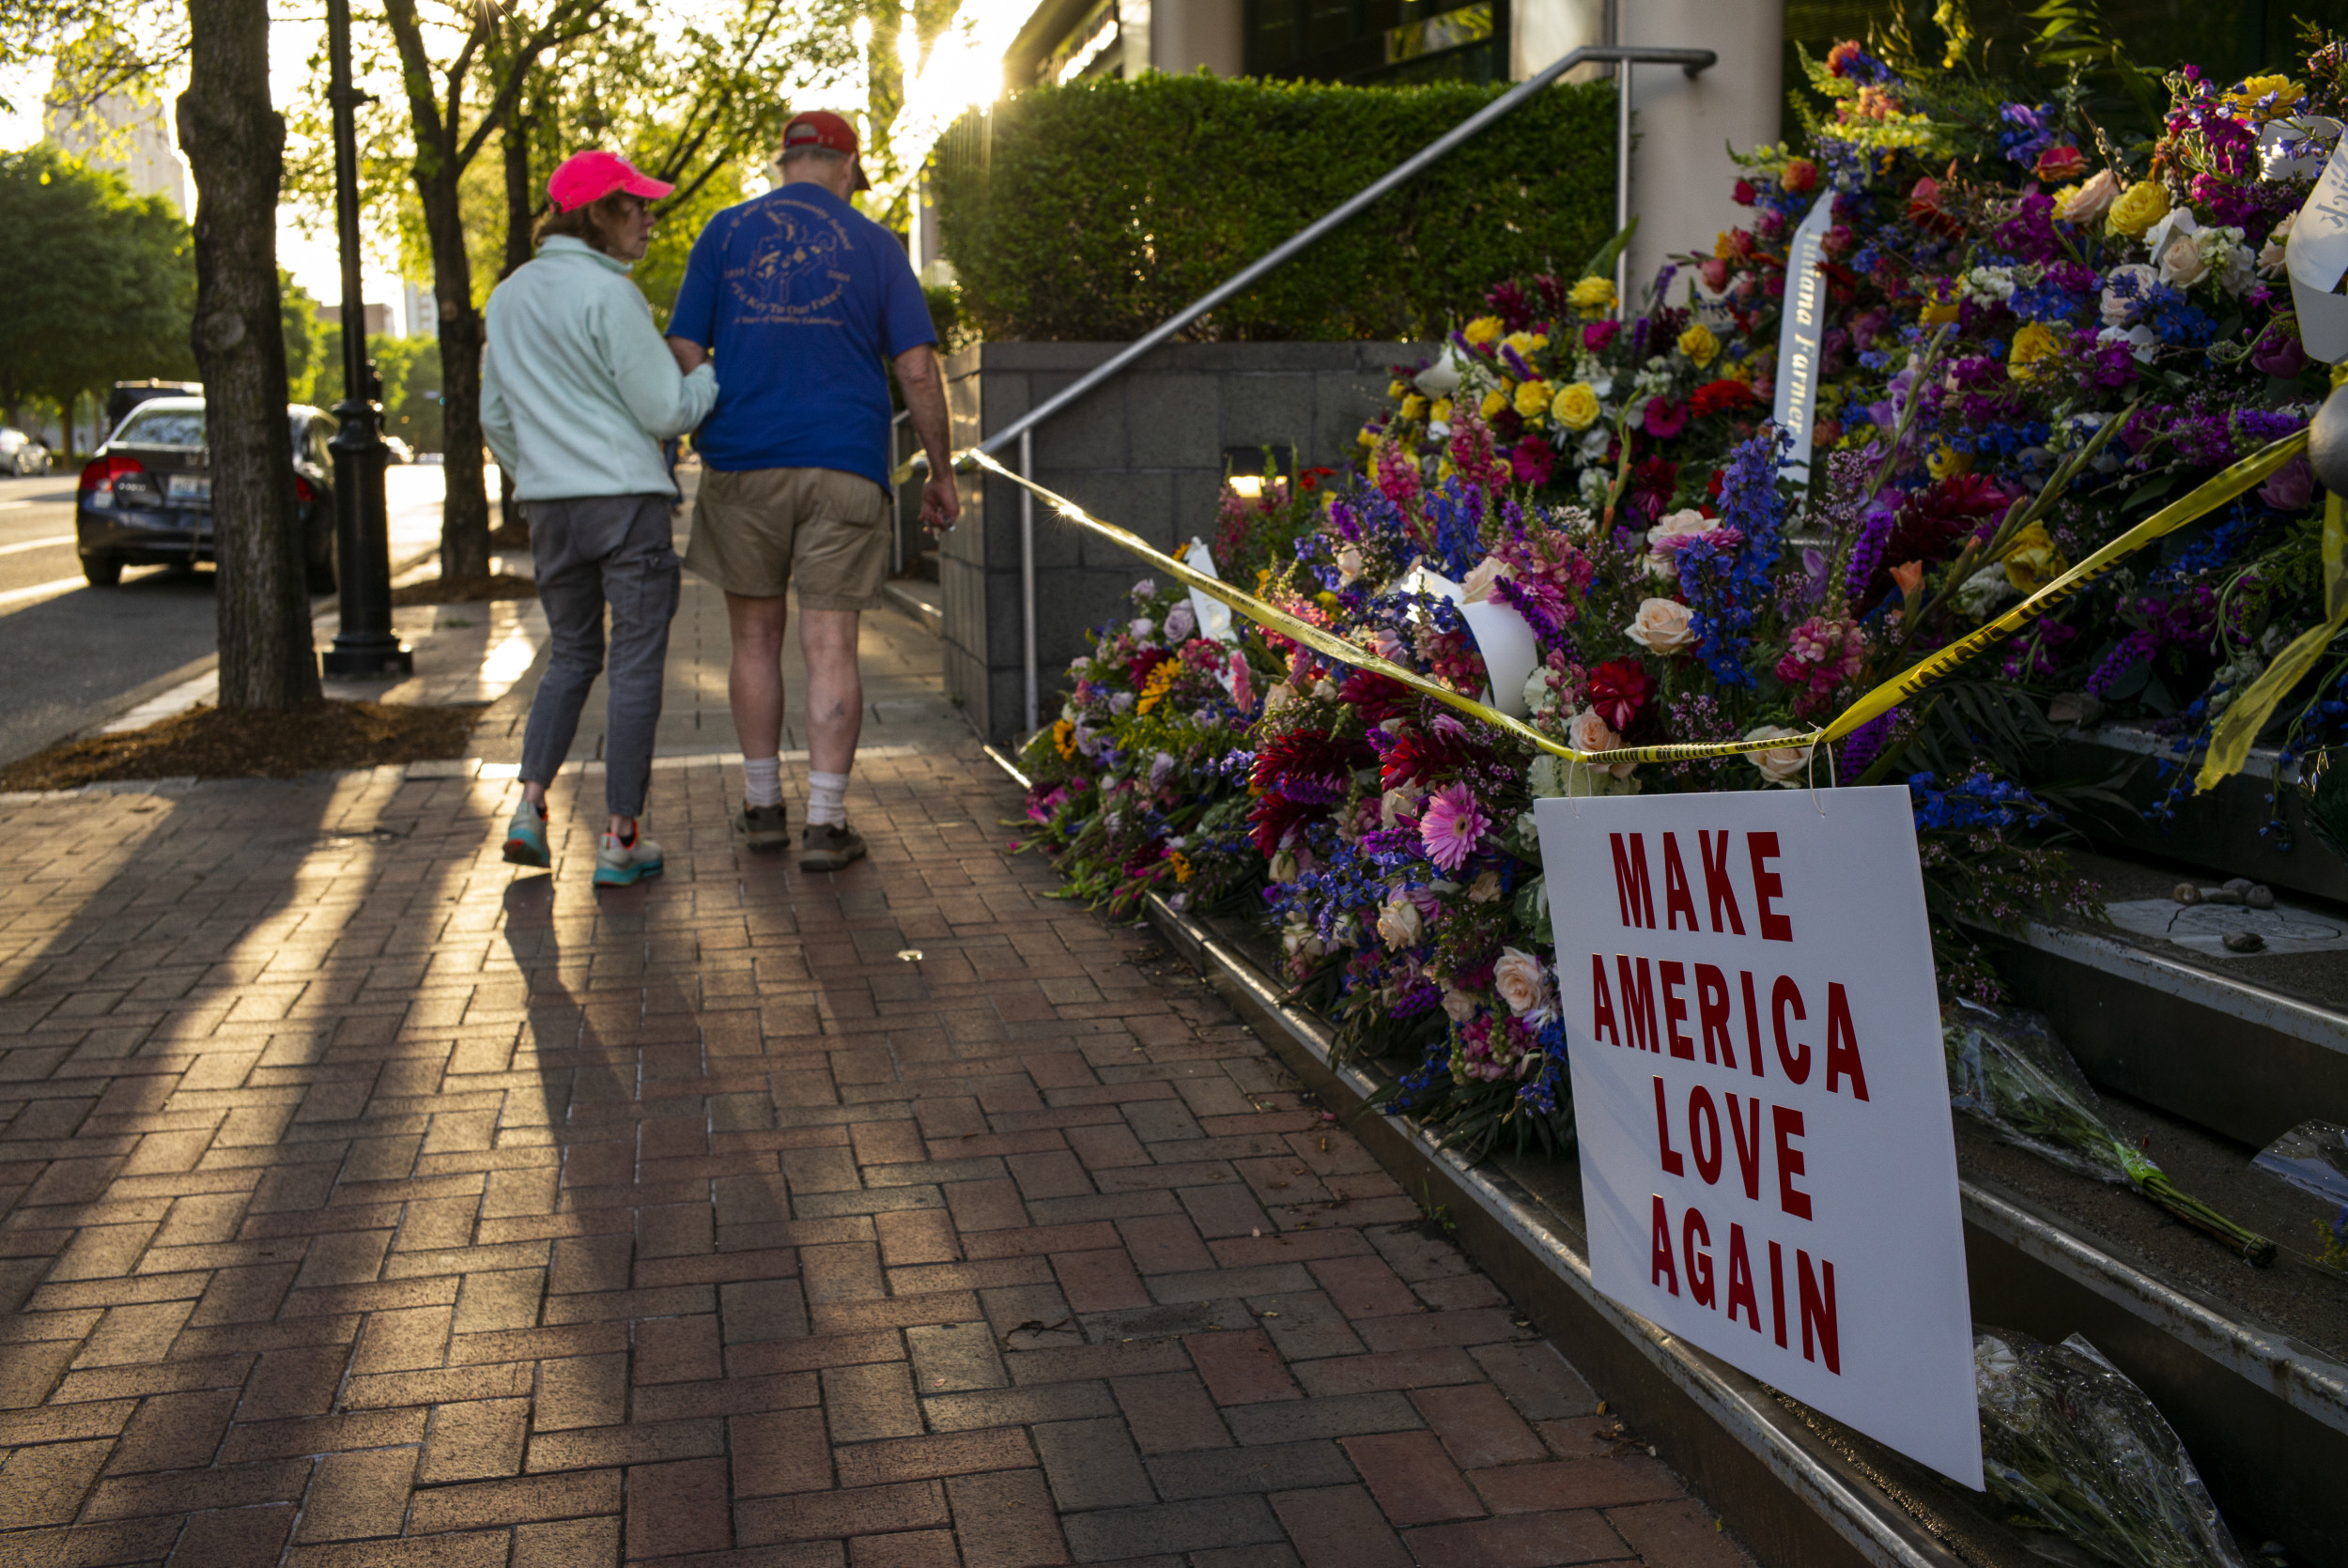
(754, 531)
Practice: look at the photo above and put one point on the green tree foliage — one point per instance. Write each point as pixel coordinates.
(100, 285)
(1102, 207)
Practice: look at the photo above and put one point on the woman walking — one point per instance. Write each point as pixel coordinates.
(578, 393)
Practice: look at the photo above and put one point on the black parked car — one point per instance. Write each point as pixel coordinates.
(146, 497)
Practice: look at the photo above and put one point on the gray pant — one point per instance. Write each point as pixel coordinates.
(591, 551)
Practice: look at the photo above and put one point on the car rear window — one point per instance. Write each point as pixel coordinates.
(179, 427)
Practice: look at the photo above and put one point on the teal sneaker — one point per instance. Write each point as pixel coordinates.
(526, 837)
(619, 865)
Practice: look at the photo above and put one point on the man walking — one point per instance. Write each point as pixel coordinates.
(802, 297)
(577, 395)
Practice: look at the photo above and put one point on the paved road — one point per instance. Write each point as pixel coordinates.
(69, 652)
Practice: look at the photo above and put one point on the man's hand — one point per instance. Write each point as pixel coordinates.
(941, 506)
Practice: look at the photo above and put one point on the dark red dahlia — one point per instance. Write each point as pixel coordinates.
(1618, 689)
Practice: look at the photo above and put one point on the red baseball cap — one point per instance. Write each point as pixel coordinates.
(821, 128)
(589, 177)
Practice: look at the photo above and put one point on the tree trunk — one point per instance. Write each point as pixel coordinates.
(465, 513)
(236, 142)
(515, 148)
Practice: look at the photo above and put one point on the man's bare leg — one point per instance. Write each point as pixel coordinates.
(755, 691)
(835, 708)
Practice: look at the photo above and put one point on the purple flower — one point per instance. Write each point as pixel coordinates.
(2290, 488)
(1452, 826)
(2279, 355)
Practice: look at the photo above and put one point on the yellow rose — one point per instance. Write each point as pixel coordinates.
(1397, 389)
(2033, 346)
(1699, 345)
(1493, 402)
(1574, 407)
(2139, 207)
(1938, 313)
(1440, 413)
(1533, 399)
(1415, 406)
(1593, 295)
(1484, 329)
(1525, 343)
(2032, 562)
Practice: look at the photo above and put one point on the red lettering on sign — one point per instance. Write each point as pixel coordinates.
(1793, 1056)
(1601, 1005)
(1719, 892)
(1665, 1271)
(1631, 890)
(1704, 1132)
(1753, 1024)
(1842, 1043)
(1767, 887)
(1746, 1129)
(1638, 1005)
(1712, 1009)
(1675, 1008)
(1786, 1122)
(1740, 1279)
(1693, 1237)
(1678, 897)
(1776, 1293)
(1817, 1308)
(1673, 1164)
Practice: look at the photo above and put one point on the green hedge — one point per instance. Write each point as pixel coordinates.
(1102, 207)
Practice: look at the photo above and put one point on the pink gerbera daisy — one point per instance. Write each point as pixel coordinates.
(1451, 826)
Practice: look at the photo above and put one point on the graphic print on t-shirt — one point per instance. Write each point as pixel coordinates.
(794, 273)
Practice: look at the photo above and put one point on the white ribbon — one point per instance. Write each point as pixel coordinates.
(1801, 333)
(2316, 254)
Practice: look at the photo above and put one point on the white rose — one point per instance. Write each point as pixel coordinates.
(1279, 697)
(2181, 261)
(1399, 923)
(1141, 629)
(1478, 587)
(2119, 309)
(1521, 980)
(1349, 564)
(1485, 889)
(1661, 626)
(2271, 255)
(1783, 764)
(2092, 200)
(1458, 1006)
(1586, 731)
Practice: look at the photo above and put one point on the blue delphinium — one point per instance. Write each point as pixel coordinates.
(1726, 573)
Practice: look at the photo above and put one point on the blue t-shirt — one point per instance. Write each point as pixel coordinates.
(800, 297)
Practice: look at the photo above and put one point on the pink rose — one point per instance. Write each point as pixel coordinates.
(1586, 731)
(1520, 981)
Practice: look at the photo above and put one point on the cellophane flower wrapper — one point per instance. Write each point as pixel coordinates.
(2075, 1447)
(2006, 1069)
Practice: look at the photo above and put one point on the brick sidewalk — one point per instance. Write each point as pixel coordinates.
(371, 1204)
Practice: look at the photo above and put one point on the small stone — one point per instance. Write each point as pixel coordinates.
(2244, 941)
(2240, 885)
(2220, 896)
(2260, 898)
(2186, 894)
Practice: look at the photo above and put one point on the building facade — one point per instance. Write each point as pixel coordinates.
(120, 133)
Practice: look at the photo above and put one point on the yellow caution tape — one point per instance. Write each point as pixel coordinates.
(1935, 667)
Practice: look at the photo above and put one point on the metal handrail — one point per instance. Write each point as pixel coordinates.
(1690, 61)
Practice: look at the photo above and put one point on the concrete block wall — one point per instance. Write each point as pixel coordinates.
(1145, 452)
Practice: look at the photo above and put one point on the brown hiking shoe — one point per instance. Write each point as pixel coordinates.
(767, 827)
(829, 846)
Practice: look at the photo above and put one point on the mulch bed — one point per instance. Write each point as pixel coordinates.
(465, 591)
(325, 737)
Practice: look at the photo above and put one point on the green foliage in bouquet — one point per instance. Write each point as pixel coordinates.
(1103, 207)
(2008, 1070)
(2072, 1445)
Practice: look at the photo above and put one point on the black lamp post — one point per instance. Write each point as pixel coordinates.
(364, 647)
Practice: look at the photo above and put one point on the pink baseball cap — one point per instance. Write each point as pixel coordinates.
(589, 177)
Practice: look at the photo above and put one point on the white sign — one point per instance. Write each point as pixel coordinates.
(1801, 335)
(1754, 1039)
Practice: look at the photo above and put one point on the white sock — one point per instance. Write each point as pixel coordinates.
(826, 798)
(762, 781)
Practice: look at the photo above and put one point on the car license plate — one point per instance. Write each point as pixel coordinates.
(190, 487)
